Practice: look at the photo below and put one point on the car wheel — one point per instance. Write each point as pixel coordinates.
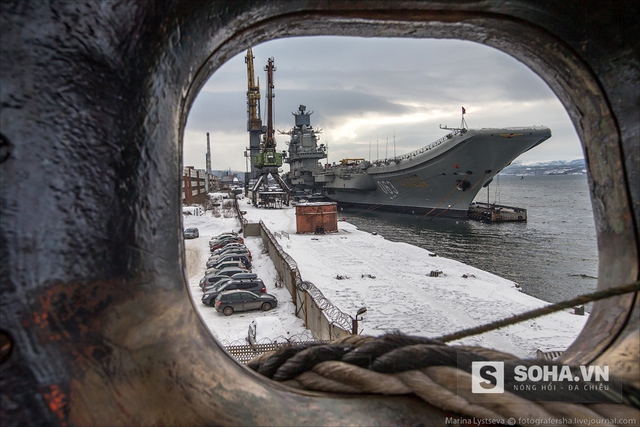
(266, 306)
(228, 311)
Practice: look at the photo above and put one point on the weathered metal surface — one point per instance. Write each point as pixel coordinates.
(311, 217)
(488, 212)
(96, 323)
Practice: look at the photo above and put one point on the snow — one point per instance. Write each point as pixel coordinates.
(267, 329)
(233, 330)
(355, 269)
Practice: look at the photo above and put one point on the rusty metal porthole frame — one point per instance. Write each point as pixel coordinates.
(94, 100)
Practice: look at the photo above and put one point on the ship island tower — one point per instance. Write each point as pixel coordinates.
(304, 153)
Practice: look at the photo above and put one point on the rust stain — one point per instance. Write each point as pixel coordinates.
(61, 311)
(57, 402)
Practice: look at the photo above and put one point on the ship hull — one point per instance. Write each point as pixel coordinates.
(441, 180)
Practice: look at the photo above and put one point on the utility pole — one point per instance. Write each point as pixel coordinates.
(208, 165)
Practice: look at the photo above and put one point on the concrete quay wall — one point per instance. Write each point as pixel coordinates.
(320, 316)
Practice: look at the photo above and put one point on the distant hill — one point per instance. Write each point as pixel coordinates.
(555, 167)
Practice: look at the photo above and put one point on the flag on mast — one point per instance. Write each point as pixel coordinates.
(463, 123)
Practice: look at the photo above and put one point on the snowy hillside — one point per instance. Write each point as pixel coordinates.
(555, 167)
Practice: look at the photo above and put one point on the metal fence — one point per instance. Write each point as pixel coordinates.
(320, 316)
(325, 321)
(245, 353)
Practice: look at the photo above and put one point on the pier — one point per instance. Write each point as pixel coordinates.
(403, 287)
(490, 212)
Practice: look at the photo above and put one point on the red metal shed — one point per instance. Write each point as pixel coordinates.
(317, 217)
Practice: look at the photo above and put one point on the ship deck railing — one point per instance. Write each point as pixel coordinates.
(307, 153)
(419, 151)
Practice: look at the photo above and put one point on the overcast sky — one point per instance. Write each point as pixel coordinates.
(363, 91)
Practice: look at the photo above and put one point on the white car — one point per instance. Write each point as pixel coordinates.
(191, 233)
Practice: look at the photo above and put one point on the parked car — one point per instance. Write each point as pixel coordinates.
(216, 245)
(237, 277)
(222, 242)
(191, 233)
(230, 257)
(207, 287)
(223, 238)
(229, 247)
(228, 233)
(227, 272)
(250, 283)
(229, 239)
(230, 252)
(254, 285)
(231, 301)
(227, 264)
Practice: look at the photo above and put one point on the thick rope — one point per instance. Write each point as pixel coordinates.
(582, 299)
(396, 364)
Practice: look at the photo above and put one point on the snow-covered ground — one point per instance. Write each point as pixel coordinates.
(232, 330)
(392, 280)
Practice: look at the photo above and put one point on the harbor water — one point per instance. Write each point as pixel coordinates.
(553, 256)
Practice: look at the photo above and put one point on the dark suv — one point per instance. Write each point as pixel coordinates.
(252, 285)
(210, 279)
(230, 301)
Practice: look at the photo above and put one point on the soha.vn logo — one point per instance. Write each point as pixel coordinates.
(488, 377)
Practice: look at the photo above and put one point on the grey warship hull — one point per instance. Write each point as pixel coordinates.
(441, 178)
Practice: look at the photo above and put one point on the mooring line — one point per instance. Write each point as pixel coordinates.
(446, 197)
(379, 205)
(461, 197)
(582, 299)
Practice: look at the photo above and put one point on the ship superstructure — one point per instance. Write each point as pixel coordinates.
(441, 178)
(304, 153)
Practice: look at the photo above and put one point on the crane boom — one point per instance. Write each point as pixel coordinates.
(254, 123)
(270, 142)
(268, 159)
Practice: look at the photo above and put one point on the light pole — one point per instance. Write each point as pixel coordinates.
(354, 320)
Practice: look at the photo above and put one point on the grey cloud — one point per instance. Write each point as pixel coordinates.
(343, 78)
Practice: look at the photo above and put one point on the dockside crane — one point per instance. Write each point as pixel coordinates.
(254, 120)
(268, 160)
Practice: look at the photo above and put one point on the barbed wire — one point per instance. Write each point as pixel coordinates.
(299, 338)
(333, 314)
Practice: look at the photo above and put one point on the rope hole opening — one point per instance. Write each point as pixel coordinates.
(468, 172)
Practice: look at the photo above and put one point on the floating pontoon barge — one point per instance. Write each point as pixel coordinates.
(487, 212)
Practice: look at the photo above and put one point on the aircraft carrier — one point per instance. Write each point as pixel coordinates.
(441, 178)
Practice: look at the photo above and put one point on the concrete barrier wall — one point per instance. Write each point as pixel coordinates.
(251, 229)
(320, 316)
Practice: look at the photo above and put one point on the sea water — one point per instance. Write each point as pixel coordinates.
(553, 255)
